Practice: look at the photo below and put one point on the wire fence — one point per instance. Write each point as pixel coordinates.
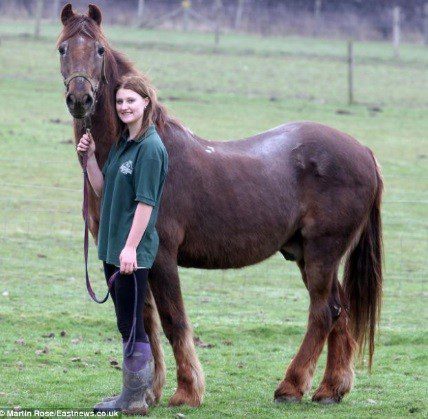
(361, 72)
(374, 20)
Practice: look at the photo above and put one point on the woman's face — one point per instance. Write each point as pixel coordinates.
(130, 106)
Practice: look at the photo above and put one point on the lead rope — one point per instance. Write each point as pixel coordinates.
(129, 348)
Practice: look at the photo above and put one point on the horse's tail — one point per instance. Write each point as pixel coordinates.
(363, 277)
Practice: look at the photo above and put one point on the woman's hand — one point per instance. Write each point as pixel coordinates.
(128, 260)
(86, 145)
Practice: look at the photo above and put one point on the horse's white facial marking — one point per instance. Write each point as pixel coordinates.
(209, 149)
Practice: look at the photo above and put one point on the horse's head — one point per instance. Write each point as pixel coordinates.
(82, 49)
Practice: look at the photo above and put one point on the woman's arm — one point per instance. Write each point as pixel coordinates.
(128, 256)
(96, 179)
(95, 176)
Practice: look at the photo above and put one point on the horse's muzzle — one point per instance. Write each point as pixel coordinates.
(80, 105)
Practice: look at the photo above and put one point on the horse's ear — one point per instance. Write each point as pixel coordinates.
(95, 13)
(66, 13)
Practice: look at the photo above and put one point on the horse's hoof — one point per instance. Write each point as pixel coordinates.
(287, 399)
(327, 399)
(180, 398)
(150, 398)
(287, 393)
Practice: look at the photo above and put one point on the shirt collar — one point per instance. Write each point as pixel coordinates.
(149, 131)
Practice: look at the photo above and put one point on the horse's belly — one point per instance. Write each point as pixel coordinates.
(231, 249)
(227, 258)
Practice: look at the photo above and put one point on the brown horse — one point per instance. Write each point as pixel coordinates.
(303, 189)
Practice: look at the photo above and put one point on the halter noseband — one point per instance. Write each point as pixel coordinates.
(94, 85)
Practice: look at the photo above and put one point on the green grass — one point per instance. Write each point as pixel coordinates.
(255, 317)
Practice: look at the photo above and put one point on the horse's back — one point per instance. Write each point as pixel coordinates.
(314, 149)
(329, 156)
(312, 138)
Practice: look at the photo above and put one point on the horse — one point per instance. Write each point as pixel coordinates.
(303, 189)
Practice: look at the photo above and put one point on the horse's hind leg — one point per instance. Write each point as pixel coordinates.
(165, 285)
(339, 373)
(152, 327)
(319, 266)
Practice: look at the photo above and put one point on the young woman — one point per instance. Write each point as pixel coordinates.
(130, 184)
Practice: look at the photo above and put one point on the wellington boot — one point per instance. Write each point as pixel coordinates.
(109, 399)
(132, 400)
(150, 397)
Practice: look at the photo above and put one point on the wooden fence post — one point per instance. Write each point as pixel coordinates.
(140, 12)
(396, 31)
(317, 16)
(185, 4)
(39, 9)
(218, 7)
(426, 23)
(350, 72)
(238, 16)
(55, 11)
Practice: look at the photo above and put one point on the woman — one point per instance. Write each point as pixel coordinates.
(130, 183)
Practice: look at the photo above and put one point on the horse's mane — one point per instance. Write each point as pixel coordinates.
(117, 65)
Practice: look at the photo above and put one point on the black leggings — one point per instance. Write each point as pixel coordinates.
(122, 294)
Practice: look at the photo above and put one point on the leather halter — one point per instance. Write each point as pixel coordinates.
(94, 84)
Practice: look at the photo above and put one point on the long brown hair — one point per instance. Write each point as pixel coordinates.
(155, 113)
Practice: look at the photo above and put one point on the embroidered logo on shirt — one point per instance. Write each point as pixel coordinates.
(126, 168)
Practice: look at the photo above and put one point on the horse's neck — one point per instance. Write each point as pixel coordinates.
(104, 128)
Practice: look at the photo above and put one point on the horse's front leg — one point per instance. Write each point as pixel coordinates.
(165, 285)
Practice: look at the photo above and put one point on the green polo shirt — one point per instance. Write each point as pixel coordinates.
(134, 172)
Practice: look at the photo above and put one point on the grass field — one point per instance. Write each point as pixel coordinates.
(254, 318)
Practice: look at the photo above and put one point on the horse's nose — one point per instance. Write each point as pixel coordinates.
(70, 100)
(79, 103)
(87, 101)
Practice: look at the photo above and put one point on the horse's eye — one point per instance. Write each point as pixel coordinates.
(101, 50)
(61, 50)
